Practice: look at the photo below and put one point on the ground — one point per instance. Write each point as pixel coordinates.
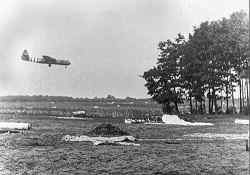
(41, 150)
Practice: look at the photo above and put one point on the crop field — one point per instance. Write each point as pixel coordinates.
(42, 151)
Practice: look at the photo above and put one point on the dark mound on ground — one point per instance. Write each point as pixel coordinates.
(171, 173)
(107, 130)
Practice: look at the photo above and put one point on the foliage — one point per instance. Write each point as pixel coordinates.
(208, 64)
(164, 82)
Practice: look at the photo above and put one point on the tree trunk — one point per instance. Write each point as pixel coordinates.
(176, 107)
(233, 98)
(201, 107)
(233, 102)
(221, 102)
(248, 107)
(209, 102)
(209, 105)
(196, 109)
(247, 95)
(166, 108)
(240, 97)
(212, 105)
(227, 98)
(190, 103)
(204, 106)
(243, 94)
(215, 102)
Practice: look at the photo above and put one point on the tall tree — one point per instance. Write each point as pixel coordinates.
(208, 64)
(164, 82)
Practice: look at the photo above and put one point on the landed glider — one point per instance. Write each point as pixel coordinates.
(44, 60)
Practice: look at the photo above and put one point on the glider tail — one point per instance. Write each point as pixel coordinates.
(25, 56)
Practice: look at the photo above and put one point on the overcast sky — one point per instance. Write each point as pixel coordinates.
(109, 42)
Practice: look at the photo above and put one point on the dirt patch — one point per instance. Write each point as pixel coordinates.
(107, 130)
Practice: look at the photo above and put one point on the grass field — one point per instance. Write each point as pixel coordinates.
(41, 151)
(99, 109)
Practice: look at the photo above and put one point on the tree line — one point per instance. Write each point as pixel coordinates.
(207, 65)
(47, 98)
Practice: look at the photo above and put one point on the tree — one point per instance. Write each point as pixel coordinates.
(164, 82)
(208, 65)
(218, 53)
(238, 37)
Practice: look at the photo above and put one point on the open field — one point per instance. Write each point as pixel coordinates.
(95, 108)
(41, 151)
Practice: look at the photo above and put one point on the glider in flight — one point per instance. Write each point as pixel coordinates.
(44, 60)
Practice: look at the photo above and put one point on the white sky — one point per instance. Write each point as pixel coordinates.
(109, 42)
